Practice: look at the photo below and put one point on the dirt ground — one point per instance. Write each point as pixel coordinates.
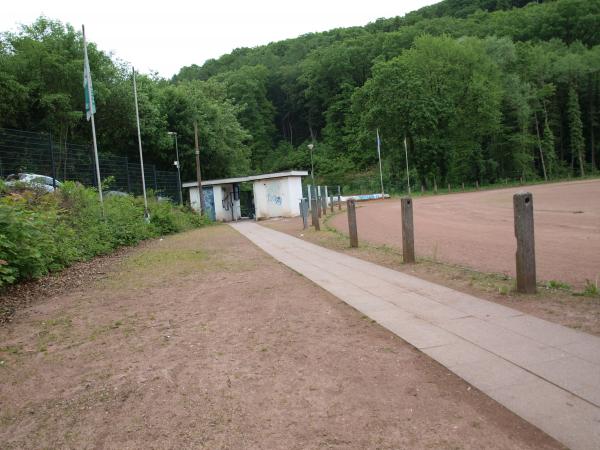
(566, 307)
(201, 340)
(475, 229)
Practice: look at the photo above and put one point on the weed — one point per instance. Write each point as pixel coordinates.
(555, 284)
(590, 289)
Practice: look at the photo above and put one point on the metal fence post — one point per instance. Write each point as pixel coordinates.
(127, 173)
(408, 233)
(351, 206)
(524, 232)
(92, 168)
(52, 160)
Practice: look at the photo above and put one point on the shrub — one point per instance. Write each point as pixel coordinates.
(42, 232)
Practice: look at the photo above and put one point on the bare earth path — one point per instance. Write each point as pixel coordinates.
(204, 341)
(546, 373)
(475, 229)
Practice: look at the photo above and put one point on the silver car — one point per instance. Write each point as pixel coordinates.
(33, 180)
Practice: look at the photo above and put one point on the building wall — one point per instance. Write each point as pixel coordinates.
(277, 197)
(219, 192)
(223, 208)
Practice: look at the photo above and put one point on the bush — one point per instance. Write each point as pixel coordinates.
(42, 232)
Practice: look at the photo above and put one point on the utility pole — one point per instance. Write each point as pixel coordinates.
(198, 174)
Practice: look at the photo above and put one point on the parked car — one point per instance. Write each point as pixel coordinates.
(115, 194)
(34, 181)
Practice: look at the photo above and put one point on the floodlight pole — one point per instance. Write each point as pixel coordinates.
(312, 166)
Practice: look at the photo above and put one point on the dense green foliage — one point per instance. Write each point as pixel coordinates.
(42, 232)
(481, 90)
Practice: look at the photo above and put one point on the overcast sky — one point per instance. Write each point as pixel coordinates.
(164, 36)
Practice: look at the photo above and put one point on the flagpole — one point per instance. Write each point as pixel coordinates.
(380, 170)
(407, 172)
(86, 69)
(137, 118)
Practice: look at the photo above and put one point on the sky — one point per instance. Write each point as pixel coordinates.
(163, 36)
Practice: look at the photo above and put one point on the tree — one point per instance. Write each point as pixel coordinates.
(576, 128)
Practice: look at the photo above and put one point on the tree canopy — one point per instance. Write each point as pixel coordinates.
(481, 89)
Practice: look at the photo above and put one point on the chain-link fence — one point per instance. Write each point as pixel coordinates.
(29, 152)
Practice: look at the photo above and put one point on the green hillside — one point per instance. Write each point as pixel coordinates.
(481, 89)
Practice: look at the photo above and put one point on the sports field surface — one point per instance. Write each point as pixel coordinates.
(475, 229)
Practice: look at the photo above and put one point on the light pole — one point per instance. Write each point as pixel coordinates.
(174, 133)
(312, 167)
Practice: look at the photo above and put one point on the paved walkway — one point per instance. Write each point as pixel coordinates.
(546, 373)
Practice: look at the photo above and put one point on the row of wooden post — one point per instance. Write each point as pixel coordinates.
(523, 223)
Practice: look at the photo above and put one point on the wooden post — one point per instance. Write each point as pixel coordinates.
(309, 195)
(339, 199)
(477, 184)
(315, 215)
(331, 203)
(434, 186)
(463, 187)
(318, 197)
(449, 188)
(324, 200)
(351, 206)
(408, 233)
(422, 189)
(304, 212)
(524, 232)
(198, 173)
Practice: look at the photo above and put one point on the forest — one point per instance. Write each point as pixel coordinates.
(481, 90)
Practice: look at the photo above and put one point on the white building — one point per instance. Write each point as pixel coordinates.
(272, 195)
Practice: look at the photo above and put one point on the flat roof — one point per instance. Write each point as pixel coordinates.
(291, 173)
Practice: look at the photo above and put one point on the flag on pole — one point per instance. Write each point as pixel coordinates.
(87, 87)
(90, 110)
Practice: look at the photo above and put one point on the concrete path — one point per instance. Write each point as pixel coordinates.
(546, 373)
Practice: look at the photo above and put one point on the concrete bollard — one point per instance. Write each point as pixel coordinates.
(524, 232)
(408, 232)
(304, 212)
(315, 215)
(351, 206)
(331, 203)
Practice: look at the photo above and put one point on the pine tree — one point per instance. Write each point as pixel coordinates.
(548, 147)
(576, 128)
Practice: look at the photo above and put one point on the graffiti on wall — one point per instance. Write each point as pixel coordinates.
(273, 194)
